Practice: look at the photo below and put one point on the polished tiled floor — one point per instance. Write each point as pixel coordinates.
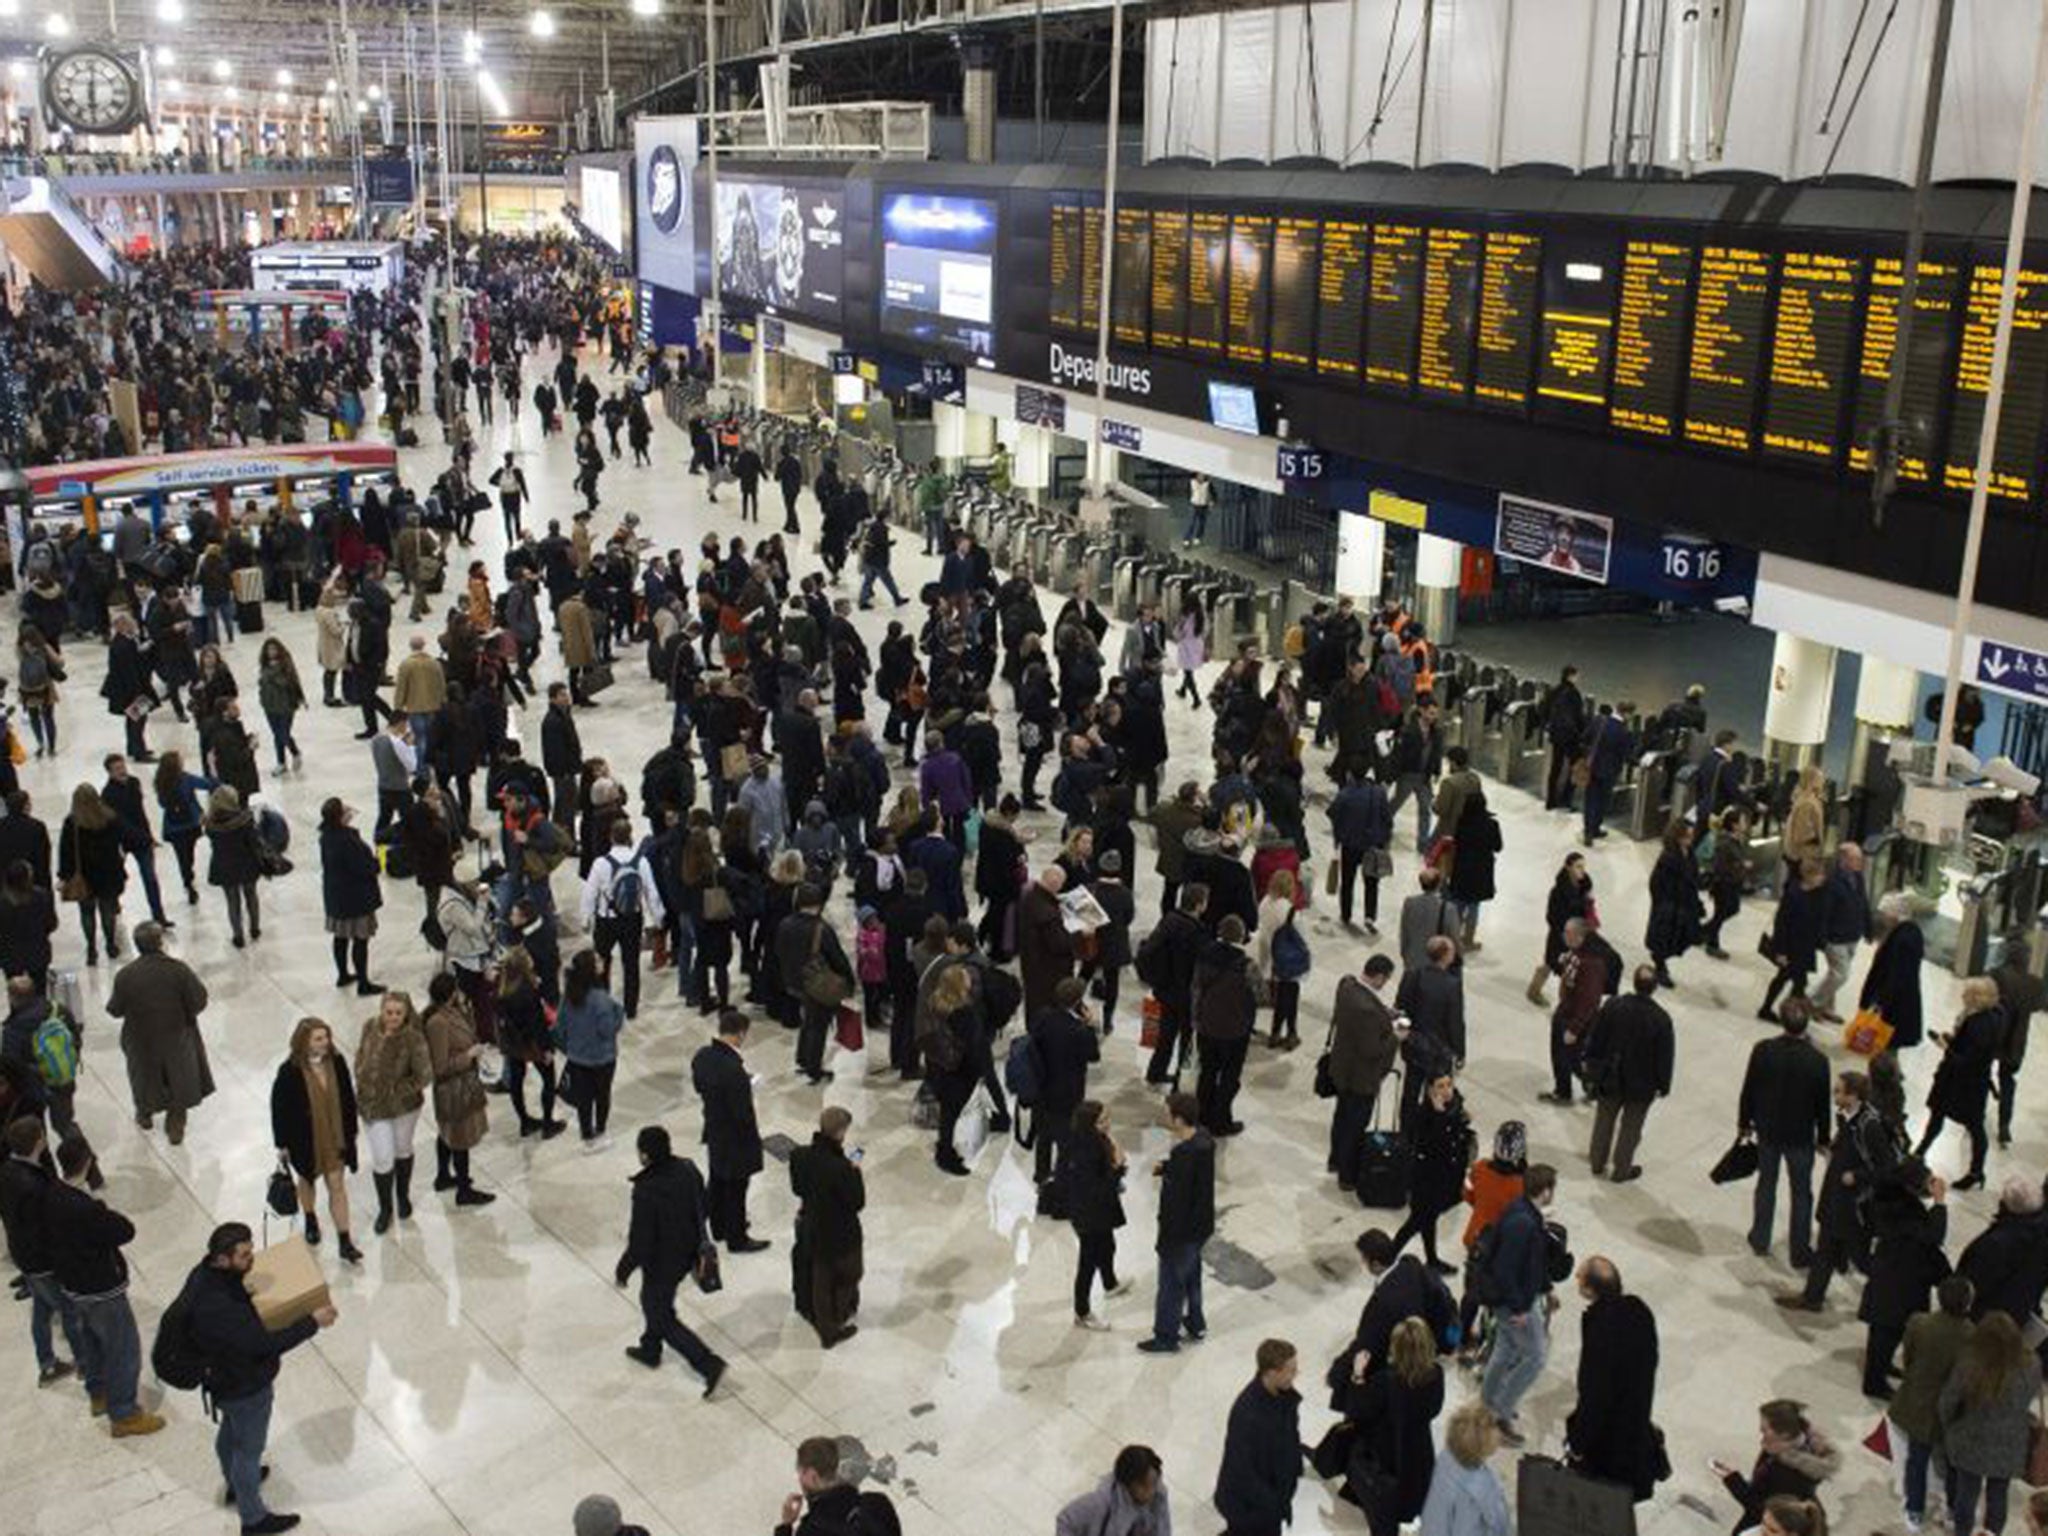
(475, 1383)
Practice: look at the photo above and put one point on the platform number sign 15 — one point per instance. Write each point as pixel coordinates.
(1300, 463)
(1691, 562)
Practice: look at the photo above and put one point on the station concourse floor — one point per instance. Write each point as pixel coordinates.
(475, 1383)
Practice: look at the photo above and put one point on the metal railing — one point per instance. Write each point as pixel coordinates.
(883, 130)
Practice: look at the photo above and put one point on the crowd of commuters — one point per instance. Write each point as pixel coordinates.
(931, 847)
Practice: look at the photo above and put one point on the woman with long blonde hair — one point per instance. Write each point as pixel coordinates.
(393, 1073)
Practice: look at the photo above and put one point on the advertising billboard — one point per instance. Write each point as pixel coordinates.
(603, 205)
(939, 270)
(665, 245)
(782, 246)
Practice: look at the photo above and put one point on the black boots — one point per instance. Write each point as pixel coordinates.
(401, 1172)
(465, 1192)
(444, 1174)
(383, 1182)
(346, 1247)
(312, 1228)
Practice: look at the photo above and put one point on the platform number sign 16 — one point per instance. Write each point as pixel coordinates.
(1691, 562)
(1300, 463)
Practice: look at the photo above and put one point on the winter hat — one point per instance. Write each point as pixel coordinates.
(598, 1515)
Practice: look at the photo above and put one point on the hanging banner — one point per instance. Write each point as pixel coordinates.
(1556, 539)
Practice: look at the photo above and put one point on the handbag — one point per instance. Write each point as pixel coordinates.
(1739, 1162)
(732, 760)
(74, 886)
(1867, 1034)
(1582, 772)
(596, 678)
(1330, 878)
(1763, 947)
(850, 1034)
(282, 1193)
(717, 904)
(708, 1279)
(819, 982)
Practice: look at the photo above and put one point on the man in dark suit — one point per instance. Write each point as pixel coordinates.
(1610, 1434)
(665, 1242)
(1066, 1043)
(1628, 1067)
(732, 1139)
(1785, 1106)
(1433, 1000)
(1402, 1288)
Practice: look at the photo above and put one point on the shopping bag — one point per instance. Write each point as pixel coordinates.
(850, 1034)
(1879, 1441)
(970, 1131)
(732, 761)
(1330, 877)
(1150, 1015)
(1866, 1034)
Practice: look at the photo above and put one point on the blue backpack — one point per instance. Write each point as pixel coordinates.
(625, 888)
(1023, 1072)
(1290, 952)
(55, 1049)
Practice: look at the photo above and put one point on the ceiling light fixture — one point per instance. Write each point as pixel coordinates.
(284, 77)
(472, 47)
(57, 24)
(646, 7)
(222, 69)
(164, 57)
(330, 87)
(493, 95)
(230, 94)
(170, 10)
(18, 70)
(174, 87)
(541, 24)
(375, 93)
(10, 8)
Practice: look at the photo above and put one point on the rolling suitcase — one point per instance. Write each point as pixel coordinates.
(1383, 1161)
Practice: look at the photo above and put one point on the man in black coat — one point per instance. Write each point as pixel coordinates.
(1166, 964)
(2007, 1263)
(826, 1261)
(1433, 1001)
(127, 687)
(732, 1138)
(1187, 1220)
(1565, 724)
(1065, 1040)
(666, 1240)
(1862, 1157)
(1610, 1434)
(561, 753)
(1785, 1107)
(904, 914)
(1262, 1447)
(241, 1355)
(799, 937)
(1403, 1287)
(800, 742)
(1628, 1059)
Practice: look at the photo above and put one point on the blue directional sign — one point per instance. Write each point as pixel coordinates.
(1123, 435)
(2012, 670)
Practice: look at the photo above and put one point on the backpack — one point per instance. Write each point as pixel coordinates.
(35, 671)
(55, 1049)
(625, 889)
(1001, 996)
(175, 1356)
(545, 848)
(1024, 1070)
(871, 955)
(272, 830)
(1146, 961)
(1290, 952)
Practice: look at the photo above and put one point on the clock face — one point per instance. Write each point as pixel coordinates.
(92, 90)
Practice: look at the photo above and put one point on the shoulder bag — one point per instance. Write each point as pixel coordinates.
(75, 886)
(821, 984)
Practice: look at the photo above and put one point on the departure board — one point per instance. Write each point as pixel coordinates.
(1649, 337)
(1577, 334)
(1810, 357)
(1130, 278)
(1208, 280)
(1064, 306)
(1732, 302)
(1296, 245)
(1251, 261)
(1340, 295)
(1927, 363)
(1393, 304)
(1450, 292)
(1169, 279)
(1506, 336)
(1091, 269)
(2016, 456)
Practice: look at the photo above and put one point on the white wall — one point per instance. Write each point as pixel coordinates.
(1512, 81)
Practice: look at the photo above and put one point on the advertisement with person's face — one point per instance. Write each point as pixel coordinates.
(781, 246)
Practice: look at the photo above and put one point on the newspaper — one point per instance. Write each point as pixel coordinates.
(1080, 912)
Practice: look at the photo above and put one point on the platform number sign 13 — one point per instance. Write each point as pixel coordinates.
(1297, 463)
(1691, 562)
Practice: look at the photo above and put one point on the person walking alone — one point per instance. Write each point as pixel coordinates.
(1629, 1054)
(667, 1242)
(1187, 1219)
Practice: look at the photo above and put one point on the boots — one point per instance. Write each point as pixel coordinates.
(444, 1174)
(383, 1222)
(402, 1187)
(312, 1229)
(1537, 983)
(465, 1192)
(346, 1247)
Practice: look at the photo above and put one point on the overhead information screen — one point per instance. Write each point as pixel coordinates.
(1340, 293)
(1450, 290)
(1091, 269)
(1810, 356)
(1505, 344)
(1130, 283)
(1577, 334)
(1296, 243)
(1208, 280)
(1393, 305)
(1169, 279)
(1649, 337)
(1063, 308)
(1732, 302)
(2014, 458)
(1251, 260)
(1927, 362)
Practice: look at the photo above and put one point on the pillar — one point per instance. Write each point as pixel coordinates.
(979, 435)
(1361, 558)
(1031, 462)
(949, 433)
(978, 52)
(1437, 563)
(1885, 697)
(1796, 711)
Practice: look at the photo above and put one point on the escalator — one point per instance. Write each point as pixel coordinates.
(45, 231)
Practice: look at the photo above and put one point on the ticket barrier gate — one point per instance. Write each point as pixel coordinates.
(1063, 556)
(1527, 756)
(1651, 797)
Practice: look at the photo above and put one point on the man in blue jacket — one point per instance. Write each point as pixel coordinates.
(241, 1358)
(1519, 1281)
(1608, 749)
(1262, 1448)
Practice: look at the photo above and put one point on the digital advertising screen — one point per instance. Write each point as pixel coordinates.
(939, 270)
(782, 246)
(665, 228)
(1234, 407)
(603, 205)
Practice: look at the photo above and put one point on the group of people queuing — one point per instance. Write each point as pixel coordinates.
(928, 854)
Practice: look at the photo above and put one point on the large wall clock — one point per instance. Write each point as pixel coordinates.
(92, 90)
